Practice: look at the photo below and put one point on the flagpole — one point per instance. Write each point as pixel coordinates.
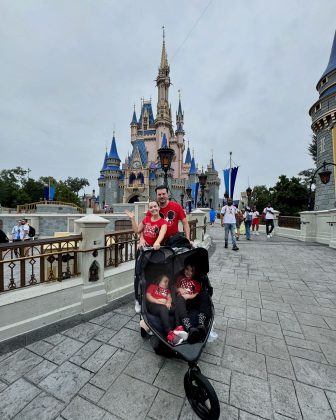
(229, 192)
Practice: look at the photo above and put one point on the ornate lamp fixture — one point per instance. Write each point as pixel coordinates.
(166, 155)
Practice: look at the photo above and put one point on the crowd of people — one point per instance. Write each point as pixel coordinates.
(232, 219)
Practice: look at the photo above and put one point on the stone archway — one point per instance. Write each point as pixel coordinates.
(133, 199)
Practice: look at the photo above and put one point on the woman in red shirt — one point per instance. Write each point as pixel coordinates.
(153, 227)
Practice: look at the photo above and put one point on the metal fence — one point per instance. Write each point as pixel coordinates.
(289, 222)
(32, 262)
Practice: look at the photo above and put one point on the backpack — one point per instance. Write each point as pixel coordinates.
(31, 232)
(248, 217)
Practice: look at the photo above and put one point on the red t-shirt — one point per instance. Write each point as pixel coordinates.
(172, 213)
(152, 229)
(158, 292)
(192, 286)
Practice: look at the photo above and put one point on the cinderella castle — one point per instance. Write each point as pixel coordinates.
(136, 178)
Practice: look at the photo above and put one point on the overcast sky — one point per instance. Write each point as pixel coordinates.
(71, 71)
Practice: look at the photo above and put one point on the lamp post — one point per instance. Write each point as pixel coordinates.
(182, 197)
(324, 177)
(248, 193)
(166, 155)
(202, 180)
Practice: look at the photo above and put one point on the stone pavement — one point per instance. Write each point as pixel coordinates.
(275, 357)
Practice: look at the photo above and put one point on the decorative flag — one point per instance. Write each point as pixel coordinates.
(234, 172)
(194, 192)
(226, 174)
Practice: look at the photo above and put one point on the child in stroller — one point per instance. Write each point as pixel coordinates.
(159, 303)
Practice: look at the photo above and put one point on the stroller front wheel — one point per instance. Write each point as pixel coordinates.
(201, 395)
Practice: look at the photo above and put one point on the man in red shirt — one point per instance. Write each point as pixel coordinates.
(172, 212)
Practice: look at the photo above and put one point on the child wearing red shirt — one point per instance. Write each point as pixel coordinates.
(159, 302)
(191, 296)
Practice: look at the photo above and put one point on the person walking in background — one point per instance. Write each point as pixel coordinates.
(255, 221)
(269, 219)
(239, 220)
(16, 236)
(248, 220)
(212, 215)
(228, 220)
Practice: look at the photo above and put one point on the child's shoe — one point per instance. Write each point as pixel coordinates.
(137, 307)
(180, 331)
(173, 339)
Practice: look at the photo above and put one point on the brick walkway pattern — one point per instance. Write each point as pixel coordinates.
(275, 356)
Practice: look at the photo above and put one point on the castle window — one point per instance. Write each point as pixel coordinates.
(322, 145)
(145, 123)
(317, 107)
(324, 81)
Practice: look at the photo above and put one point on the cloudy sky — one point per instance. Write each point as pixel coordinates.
(71, 71)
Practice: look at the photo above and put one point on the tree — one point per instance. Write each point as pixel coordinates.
(64, 193)
(76, 184)
(260, 197)
(11, 181)
(290, 196)
(312, 148)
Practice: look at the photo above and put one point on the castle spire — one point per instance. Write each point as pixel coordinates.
(164, 60)
(134, 118)
(332, 60)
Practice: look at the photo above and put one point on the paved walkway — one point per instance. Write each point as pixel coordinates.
(275, 357)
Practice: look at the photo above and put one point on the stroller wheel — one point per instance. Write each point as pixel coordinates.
(201, 395)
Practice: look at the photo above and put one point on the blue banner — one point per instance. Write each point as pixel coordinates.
(234, 172)
(226, 174)
(49, 193)
(194, 192)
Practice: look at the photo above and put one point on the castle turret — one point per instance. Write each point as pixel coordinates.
(163, 120)
(134, 126)
(323, 114)
(112, 175)
(212, 184)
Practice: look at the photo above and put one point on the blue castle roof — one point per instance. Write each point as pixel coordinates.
(148, 107)
(134, 118)
(192, 170)
(332, 60)
(212, 164)
(113, 152)
(105, 162)
(179, 111)
(188, 157)
(164, 142)
(140, 146)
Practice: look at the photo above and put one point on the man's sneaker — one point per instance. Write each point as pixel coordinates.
(137, 307)
(180, 331)
(173, 339)
(226, 245)
(235, 248)
(268, 236)
(257, 233)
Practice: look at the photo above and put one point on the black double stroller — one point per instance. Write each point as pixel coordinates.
(200, 393)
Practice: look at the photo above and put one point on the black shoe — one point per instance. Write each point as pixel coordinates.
(193, 336)
(235, 248)
(226, 245)
(201, 332)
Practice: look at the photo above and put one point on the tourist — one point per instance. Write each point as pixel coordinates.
(269, 219)
(255, 221)
(228, 220)
(152, 230)
(212, 216)
(172, 212)
(152, 227)
(16, 236)
(239, 220)
(247, 221)
(24, 230)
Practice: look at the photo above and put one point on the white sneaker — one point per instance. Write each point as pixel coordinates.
(271, 235)
(257, 233)
(137, 307)
(268, 236)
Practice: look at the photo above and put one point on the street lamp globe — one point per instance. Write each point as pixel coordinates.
(166, 155)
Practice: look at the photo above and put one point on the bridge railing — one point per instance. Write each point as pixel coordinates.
(289, 222)
(31, 262)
